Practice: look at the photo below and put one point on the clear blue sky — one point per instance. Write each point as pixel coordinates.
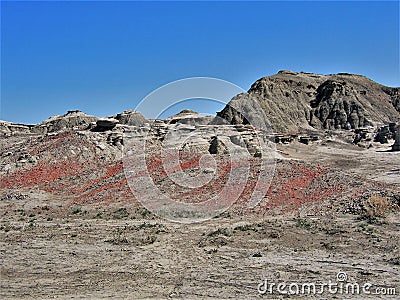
(104, 57)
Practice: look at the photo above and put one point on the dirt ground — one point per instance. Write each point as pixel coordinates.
(88, 254)
(225, 258)
(376, 163)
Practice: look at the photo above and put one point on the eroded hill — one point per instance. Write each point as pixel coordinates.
(295, 102)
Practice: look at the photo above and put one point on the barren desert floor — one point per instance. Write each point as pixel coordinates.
(46, 253)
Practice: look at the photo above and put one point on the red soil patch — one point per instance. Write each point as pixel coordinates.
(41, 174)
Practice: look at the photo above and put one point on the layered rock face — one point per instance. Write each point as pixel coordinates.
(304, 101)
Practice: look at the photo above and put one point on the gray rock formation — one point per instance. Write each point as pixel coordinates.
(189, 117)
(394, 94)
(105, 124)
(385, 133)
(131, 118)
(73, 119)
(396, 145)
(337, 106)
(217, 146)
(295, 102)
(10, 128)
(363, 135)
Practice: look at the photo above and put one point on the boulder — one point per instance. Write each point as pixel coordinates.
(383, 134)
(396, 145)
(105, 124)
(131, 118)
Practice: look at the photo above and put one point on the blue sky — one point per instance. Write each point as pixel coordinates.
(104, 57)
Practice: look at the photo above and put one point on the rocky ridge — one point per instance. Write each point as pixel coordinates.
(295, 102)
(75, 120)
